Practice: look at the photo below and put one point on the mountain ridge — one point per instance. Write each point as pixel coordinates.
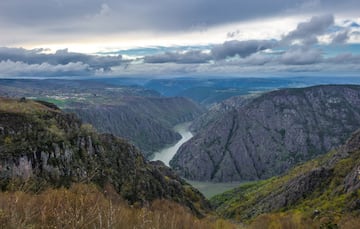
(319, 193)
(43, 147)
(138, 114)
(146, 121)
(268, 134)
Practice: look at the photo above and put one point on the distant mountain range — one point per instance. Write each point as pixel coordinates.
(263, 136)
(208, 90)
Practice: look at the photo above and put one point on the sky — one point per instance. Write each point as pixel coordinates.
(167, 38)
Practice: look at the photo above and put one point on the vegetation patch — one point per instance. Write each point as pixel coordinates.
(86, 206)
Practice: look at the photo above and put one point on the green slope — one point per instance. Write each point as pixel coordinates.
(321, 192)
(42, 147)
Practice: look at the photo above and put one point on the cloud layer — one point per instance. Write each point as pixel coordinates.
(19, 61)
(80, 19)
(317, 45)
(307, 32)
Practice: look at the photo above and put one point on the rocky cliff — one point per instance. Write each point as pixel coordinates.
(146, 121)
(40, 146)
(264, 136)
(138, 114)
(324, 189)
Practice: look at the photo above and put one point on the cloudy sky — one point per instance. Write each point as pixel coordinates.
(47, 38)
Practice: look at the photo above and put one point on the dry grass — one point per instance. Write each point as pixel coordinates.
(84, 206)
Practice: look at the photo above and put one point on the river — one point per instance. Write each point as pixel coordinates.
(208, 189)
(166, 154)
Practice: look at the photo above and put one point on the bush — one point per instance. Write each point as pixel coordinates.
(85, 206)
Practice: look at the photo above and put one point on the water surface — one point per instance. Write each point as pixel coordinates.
(166, 154)
(208, 189)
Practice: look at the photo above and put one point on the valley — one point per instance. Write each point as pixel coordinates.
(167, 153)
(138, 114)
(208, 90)
(208, 189)
(241, 153)
(180, 114)
(265, 135)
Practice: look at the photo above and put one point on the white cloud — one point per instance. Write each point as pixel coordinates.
(307, 32)
(275, 51)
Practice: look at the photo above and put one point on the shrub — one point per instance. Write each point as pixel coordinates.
(86, 206)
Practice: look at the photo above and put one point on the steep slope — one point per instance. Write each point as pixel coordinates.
(40, 146)
(146, 121)
(320, 192)
(138, 114)
(269, 134)
(218, 110)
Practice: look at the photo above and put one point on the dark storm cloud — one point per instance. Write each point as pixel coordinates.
(307, 31)
(61, 57)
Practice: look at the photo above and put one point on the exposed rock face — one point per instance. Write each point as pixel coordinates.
(269, 134)
(140, 115)
(42, 146)
(145, 121)
(352, 180)
(296, 189)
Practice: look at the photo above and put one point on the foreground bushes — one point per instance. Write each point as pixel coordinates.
(84, 206)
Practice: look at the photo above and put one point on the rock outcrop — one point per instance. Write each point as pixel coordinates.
(146, 121)
(142, 116)
(264, 136)
(327, 185)
(40, 146)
